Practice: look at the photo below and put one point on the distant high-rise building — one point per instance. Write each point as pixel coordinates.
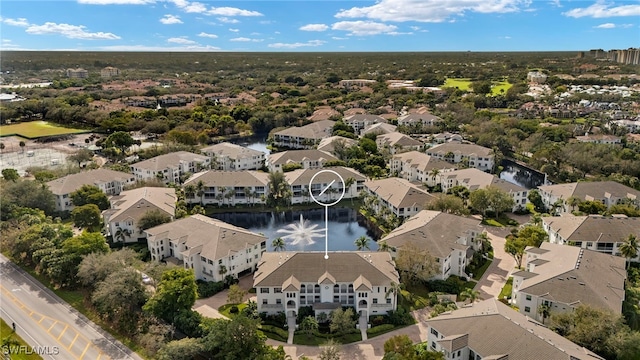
(109, 72)
(78, 73)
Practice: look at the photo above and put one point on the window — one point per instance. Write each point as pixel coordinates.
(434, 332)
(528, 297)
(220, 262)
(388, 300)
(375, 301)
(277, 290)
(527, 309)
(265, 301)
(279, 301)
(264, 290)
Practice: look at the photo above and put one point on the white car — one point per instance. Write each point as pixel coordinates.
(146, 279)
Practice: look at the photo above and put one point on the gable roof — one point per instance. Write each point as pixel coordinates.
(214, 178)
(315, 130)
(595, 189)
(496, 330)
(173, 159)
(573, 275)
(364, 118)
(422, 161)
(434, 231)
(464, 149)
(311, 267)
(303, 176)
(133, 204)
(382, 128)
(233, 151)
(399, 192)
(419, 118)
(399, 139)
(298, 156)
(329, 144)
(594, 228)
(71, 183)
(211, 238)
(471, 178)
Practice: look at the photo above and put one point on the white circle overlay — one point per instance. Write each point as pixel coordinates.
(320, 202)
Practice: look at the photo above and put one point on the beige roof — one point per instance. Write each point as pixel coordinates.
(434, 231)
(594, 228)
(169, 160)
(598, 137)
(211, 238)
(71, 183)
(572, 275)
(315, 130)
(399, 192)
(381, 128)
(328, 144)
(298, 156)
(233, 151)
(472, 178)
(364, 117)
(303, 176)
(594, 189)
(496, 330)
(214, 178)
(311, 267)
(133, 204)
(422, 161)
(419, 118)
(322, 113)
(398, 139)
(453, 343)
(464, 149)
(506, 186)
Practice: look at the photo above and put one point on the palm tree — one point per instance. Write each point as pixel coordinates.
(629, 248)
(573, 202)
(545, 311)
(278, 244)
(470, 294)
(200, 191)
(362, 243)
(122, 234)
(222, 270)
(434, 174)
(383, 246)
(189, 191)
(394, 289)
(347, 184)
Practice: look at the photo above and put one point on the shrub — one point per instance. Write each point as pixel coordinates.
(277, 320)
(380, 329)
(400, 317)
(275, 332)
(377, 320)
(234, 309)
(303, 312)
(209, 288)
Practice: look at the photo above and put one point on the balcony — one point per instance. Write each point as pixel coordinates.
(272, 307)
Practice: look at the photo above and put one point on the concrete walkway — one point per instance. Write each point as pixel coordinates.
(209, 307)
(500, 269)
(291, 325)
(363, 324)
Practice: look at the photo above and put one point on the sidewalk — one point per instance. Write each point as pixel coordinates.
(500, 269)
(209, 307)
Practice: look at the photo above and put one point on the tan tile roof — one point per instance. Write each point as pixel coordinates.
(382, 128)
(399, 139)
(71, 183)
(464, 149)
(315, 130)
(169, 160)
(298, 156)
(245, 178)
(211, 238)
(328, 144)
(422, 161)
(594, 228)
(364, 117)
(133, 204)
(419, 118)
(595, 189)
(472, 178)
(399, 192)
(506, 186)
(453, 343)
(434, 231)
(310, 267)
(573, 275)
(233, 151)
(496, 329)
(303, 176)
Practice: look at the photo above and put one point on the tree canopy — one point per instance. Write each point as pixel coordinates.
(90, 194)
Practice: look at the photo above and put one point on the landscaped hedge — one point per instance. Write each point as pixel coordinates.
(209, 288)
(380, 329)
(275, 333)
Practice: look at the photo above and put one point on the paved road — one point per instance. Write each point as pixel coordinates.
(46, 322)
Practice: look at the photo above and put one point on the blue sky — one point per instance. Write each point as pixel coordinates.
(327, 25)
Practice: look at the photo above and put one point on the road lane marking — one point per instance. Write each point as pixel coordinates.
(85, 351)
(62, 333)
(73, 341)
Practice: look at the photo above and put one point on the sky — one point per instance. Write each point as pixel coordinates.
(321, 26)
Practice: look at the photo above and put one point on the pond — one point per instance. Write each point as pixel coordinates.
(344, 228)
(520, 175)
(258, 142)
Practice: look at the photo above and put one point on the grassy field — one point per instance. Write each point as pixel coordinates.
(6, 331)
(465, 84)
(506, 290)
(36, 129)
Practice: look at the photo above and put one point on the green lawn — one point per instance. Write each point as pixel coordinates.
(414, 297)
(36, 129)
(6, 331)
(506, 290)
(225, 309)
(462, 84)
(303, 339)
(479, 272)
(498, 86)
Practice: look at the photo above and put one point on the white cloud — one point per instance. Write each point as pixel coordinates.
(142, 48)
(190, 7)
(210, 36)
(116, 2)
(69, 31)
(310, 43)
(234, 30)
(314, 27)
(16, 22)
(181, 40)
(227, 20)
(339, 38)
(415, 28)
(171, 19)
(556, 3)
(606, 26)
(245, 39)
(603, 10)
(363, 27)
(429, 10)
(231, 11)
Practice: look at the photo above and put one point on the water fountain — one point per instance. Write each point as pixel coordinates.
(301, 233)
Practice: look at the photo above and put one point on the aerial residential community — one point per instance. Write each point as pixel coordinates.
(280, 205)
